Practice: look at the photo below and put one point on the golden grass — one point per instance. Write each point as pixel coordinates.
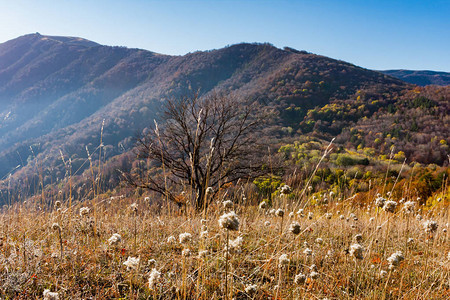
(30, 259)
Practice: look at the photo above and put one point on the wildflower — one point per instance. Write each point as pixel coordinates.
(390, 206)
(300, 278)
(267, 223)
(229, 221)
(228, 204)
(132, 263)
(84, 211)
(310, 215)
(342, 217)
(251, 289)
(408, 207)
(313, 275)
(185, 237)
(371, 219)
(283, 260)
(319, 241)
(114, 239)
(291, 214)
(186, 252)
(57, 204)
(300, 211)
(55, 226)
(171, 239)
(279, 212)
(356, 250)
(358, 238)
(379, 201)
(147, 199)
(50, 295)
(285, 189)
(383, 273)
(430, 226)
(395, 259)
(328, 215)
(272, 211)
(153, 278)
(134, 207)
(263, 205)
(307, 251)
(295, 228)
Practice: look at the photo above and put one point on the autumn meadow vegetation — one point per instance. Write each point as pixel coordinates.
(211, 211)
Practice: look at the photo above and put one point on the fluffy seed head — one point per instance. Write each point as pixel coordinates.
(84, 211)
(132, 263)
(408, 207)
(171, 239)
(50, 295)
(295, 228)
(356, 250)
(390, 206)
(279, 212)
(379, 201)
(114, 239)
(55, 226)
(300, 279)
(395, 258)
(263, 205)
(228, 204)
(430, 226)
(251, 289)
(229, 221)
(153, 278)
(185, 237)
(283, 260)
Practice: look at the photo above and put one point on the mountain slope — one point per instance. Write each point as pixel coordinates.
(55, 92)
(421, 78)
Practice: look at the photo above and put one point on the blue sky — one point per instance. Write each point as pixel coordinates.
(372, 34)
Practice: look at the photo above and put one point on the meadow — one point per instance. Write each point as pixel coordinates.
(298, 247)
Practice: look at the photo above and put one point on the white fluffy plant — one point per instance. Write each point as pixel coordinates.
(228, 221)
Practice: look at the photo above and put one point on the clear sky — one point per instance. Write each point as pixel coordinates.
(375, 34)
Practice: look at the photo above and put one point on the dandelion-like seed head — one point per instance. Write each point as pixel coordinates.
(307, 251)
(251, 289)
(153, 279)
(114, 239)
(229, 221)
(134, 207)
(328, 215)
(132, 263)
(390, 206)
(319, 241)
(295, 228)
(84, 211)
(185, 237)
(285, 189)
(55, 226)
(356, 250)
(279, 212)
(171, 240)
(314, 275)
(209, 191)
(267, 223)
(57, 204)
(379, 201)
(430, 226)
(299, 279)
(227, 204)
(358, 238)
(283, 261)
(408, 207)
(395, 259)
(50, 295)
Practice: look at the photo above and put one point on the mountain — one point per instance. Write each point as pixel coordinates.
(58, 94)
(421, 78)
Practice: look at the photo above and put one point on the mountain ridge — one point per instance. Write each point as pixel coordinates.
(55, 95)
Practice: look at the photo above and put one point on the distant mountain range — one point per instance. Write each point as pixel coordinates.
(55, 93)
(421, 78)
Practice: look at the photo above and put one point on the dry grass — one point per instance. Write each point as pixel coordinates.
(30, 259)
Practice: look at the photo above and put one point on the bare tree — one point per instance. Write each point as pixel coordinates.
(203, 142)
